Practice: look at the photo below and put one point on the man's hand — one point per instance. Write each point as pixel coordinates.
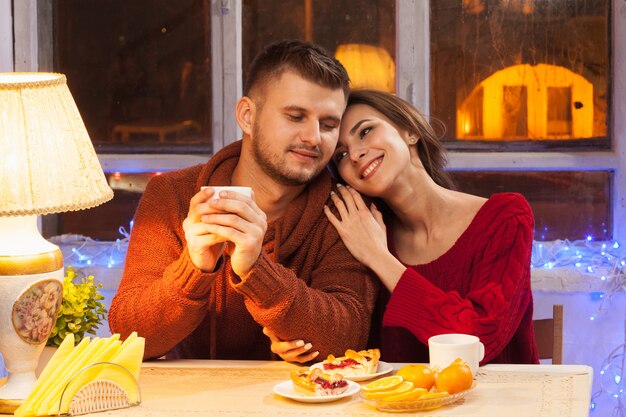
(292, 351)
(205, 248)
(236, 219)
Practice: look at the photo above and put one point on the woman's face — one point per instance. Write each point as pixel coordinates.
(371, 153)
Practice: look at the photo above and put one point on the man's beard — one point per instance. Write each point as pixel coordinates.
(274, 165)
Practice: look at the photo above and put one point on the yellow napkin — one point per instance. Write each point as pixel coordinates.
(68, 361)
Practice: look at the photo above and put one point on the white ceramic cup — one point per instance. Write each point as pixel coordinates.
(446, 348)
(241, 190)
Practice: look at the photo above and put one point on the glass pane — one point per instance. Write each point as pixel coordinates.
(566, 205)
(520, 70)
(103, 222)
(139, 71)
(514, 114)
(361, 33)
(559, 111)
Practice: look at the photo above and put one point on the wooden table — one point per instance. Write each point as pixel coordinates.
(245, 388)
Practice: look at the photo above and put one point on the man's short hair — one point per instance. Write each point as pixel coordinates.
(310, 61)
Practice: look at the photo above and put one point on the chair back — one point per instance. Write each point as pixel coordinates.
(549, 336)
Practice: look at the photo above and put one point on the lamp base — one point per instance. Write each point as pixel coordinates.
(21, 385)
(9, 406)
(29, 305)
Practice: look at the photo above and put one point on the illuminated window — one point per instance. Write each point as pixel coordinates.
(520, 70)
(522, 88)
(361, 33)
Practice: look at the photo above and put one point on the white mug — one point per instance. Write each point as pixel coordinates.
(446, 348)
(241, 190)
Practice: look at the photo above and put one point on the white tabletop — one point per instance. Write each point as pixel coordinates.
(245, 388)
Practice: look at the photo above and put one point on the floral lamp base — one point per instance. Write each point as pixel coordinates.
(29, 305)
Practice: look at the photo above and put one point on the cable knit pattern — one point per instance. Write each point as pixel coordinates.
(481, 286)
(305, 285)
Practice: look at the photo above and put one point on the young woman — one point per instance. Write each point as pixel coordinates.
(451, 262)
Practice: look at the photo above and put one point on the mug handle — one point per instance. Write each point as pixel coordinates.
(481, 351)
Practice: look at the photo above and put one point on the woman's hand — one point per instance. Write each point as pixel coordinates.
(361, 229)
(292, 351)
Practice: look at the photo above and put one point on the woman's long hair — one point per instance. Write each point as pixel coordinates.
(430, 150)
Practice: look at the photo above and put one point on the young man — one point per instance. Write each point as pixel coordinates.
(204, 276)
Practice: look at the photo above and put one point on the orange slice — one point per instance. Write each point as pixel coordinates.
(399, 389)
(410, 395)
(383, 384)
(431, 395)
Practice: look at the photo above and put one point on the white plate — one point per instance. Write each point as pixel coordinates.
(287, 390)
(383, 368)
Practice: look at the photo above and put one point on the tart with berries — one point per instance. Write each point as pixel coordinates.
(353, 363)
(316, 382)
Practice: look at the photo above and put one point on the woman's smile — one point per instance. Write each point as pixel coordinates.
(368, 170)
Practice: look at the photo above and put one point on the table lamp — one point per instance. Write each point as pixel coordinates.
(47, 165)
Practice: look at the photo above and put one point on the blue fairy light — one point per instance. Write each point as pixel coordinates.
(596, 295)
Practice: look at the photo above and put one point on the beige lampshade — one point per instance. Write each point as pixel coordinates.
(368, 66)
(47, 161)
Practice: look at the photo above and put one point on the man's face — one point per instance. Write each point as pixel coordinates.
(296, 128)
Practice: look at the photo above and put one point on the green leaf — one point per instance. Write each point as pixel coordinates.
(81, 310)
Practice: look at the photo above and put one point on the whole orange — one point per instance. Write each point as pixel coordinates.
(455, 378)
(420, 375)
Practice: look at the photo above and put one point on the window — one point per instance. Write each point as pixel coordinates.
(360, 33)
(566, 204)
(139, 72)
(521, 76)
(555, 133)
(541, 68)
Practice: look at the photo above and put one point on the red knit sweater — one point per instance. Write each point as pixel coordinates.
(481, 286)
(305, 284)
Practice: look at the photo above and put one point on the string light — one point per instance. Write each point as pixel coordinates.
(82, 251)
(612, 382)
(607, 261)
(604, 260)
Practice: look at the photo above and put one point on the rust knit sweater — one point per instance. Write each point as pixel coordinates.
(305, 284)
